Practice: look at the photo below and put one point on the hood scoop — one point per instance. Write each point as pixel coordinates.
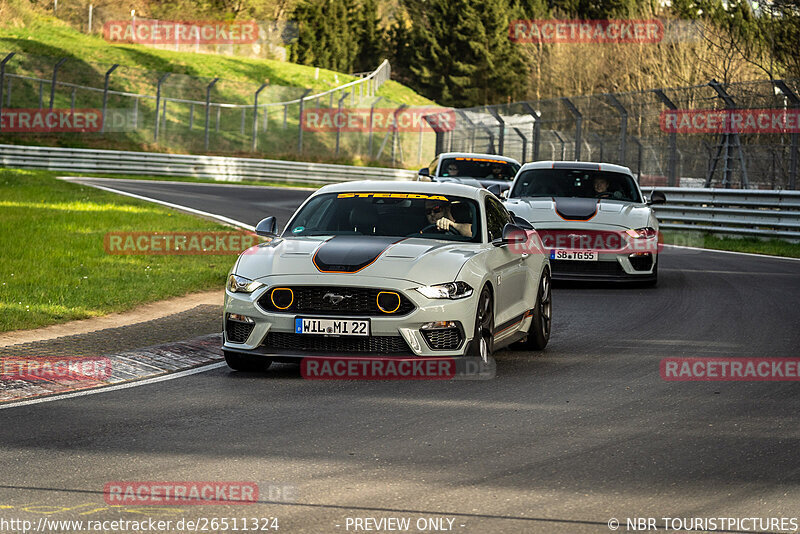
(576, 209)
(350, 254)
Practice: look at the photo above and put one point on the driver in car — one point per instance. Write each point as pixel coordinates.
(438, 214)
(497, 173)
(601, 189)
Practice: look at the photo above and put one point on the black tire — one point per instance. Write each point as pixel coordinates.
(482, 343)
(245, 362)
(539, 331)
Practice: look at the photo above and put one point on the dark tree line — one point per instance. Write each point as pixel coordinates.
(458, 52)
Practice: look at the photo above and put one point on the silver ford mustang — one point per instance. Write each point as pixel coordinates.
(388, 269)
(592, 218)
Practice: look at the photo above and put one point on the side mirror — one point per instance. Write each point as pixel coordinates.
(522, 223)
(267, 227)
(657, 197)
(512, 235)
(495, 189)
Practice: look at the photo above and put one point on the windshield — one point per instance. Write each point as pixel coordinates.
(480, 168)
(581, 183)
(424, 215)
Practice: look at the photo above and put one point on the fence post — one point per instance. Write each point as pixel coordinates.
(164, 113)
(191, 116)
(2, 84)
(781, 85)
(105, 94)
(339, 128)
(578, 123)
(563, 144)
(255, 114)
(53, 83)
(395, 129)
(208, 108)
(638, 159)
(623, 125)
(502, 136)
(371, 115)
(300, 122)
(537, 129)
(729, 137)
(158, 104)
(672, 162)
(524, 143)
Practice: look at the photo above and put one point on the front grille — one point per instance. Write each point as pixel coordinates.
(357, 301)
(237, 331)
(443, 338)
(336, 345)
(641, 263)
(587, 267)
(582, 239)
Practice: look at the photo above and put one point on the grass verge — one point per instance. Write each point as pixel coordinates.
(55, 268)
(772, 247)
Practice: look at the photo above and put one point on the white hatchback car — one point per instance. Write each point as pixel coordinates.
(592, 218)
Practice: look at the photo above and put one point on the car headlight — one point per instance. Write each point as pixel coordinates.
(240, 284)
(642, 233)
(450, 290)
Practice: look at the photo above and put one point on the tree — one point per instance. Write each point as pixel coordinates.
(462, 53)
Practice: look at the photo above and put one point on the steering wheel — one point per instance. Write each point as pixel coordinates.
(605, 194)
(432, 227)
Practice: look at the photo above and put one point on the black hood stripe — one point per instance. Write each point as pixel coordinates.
(350, 254)
(576, 209)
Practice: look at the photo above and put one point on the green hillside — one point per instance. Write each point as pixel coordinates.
(40, 40)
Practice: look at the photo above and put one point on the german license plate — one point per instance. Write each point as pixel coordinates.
(573, 255)
(338, 327)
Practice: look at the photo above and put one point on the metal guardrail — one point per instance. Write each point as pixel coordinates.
(745, 212)
(210, 167)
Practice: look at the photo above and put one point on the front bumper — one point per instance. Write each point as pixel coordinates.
(610, 267)
(272, 334)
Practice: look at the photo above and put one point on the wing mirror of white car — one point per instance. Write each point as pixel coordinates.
(267, 227)
(657, 197)
(495, 189)
(522, 223)
(512, 235)
(424, 175)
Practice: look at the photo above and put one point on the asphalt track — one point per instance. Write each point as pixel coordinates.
(561, 441)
